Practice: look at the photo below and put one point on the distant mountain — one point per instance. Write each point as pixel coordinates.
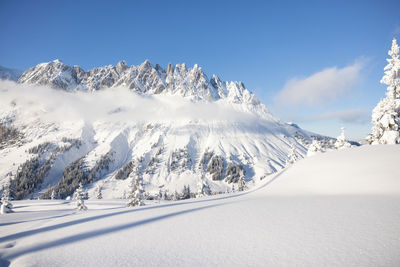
(207, 151)
(144, 78)
(9, 74)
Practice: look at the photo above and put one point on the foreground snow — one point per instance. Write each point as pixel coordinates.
(341, 208)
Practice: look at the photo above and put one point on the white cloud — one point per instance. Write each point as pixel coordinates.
(319, 88)
(360, 116)
(113, 104)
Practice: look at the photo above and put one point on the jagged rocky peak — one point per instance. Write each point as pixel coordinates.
(55, 74)
(121, 66)
(144, 78)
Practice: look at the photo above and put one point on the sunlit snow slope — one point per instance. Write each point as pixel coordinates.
(341, 208)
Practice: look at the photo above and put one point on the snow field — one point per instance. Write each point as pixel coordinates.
(340, 208)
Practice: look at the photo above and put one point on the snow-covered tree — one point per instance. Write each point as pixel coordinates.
(385, 116)
(292, 156)
(241, 184)
(53, 195)
(80, 196)
(6, 206)
(314, 148)
(204, 189)
(175, 196)
(99, 194)
(341, 141)
(185, 192)
(135, 194)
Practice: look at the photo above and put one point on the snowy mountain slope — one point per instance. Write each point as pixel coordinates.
(9, 74)
(340, 209)
(174, 127)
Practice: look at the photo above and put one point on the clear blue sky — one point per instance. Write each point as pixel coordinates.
(262, 43)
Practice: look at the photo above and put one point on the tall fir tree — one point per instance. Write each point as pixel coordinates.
(99, 194)
(292, 156)
(80, 195)
(385, 116)
(6, 206)
(241, 184)
(135, 194)
(341, 141)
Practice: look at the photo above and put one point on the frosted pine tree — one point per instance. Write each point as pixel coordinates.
(175, 196)
(80, 196)
(135, 194)
(314, 148)
(241, 183)
(99, 194)
(6, 206)
(385, 116)
(53, 195)
(186, 192)
(341, 141)
(204, 189)
(292, 156)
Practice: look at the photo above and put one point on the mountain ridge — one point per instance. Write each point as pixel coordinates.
(144, 78)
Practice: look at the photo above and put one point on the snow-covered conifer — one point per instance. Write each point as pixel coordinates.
(241, 184)
(385, 116)
(80, 196)
(204, 189)
(314, 148)
(292, 156)
(135, 194)
(99, 194)
(185, 192)
(6, 206)
(53, 195)
(175, 196)
(341, 141)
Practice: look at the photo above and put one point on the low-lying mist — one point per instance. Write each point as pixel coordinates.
(112, 104)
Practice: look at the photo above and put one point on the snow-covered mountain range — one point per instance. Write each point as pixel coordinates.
(175, 127)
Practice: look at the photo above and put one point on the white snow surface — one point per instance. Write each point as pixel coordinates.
(340, 208)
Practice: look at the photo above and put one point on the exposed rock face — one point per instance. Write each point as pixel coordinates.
(145, 78)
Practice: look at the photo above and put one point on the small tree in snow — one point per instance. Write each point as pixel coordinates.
(385, 116)
(292, 156)
(314, 148)
(53, 195)
(185, 192)
(6, 206)
(241, 183)
(80, 196)
(135, 194)
(99, 194)
(204, 189)
(341, 141)
(175, 196)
